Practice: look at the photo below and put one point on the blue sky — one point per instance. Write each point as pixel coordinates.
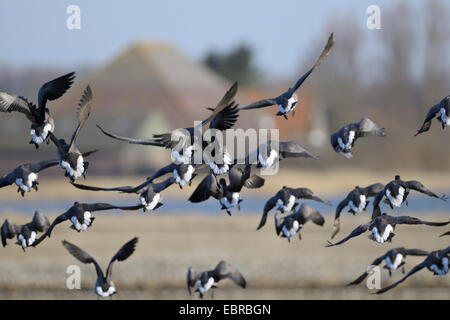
(34, 32)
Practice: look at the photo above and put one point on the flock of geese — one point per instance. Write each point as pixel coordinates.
(290, 216)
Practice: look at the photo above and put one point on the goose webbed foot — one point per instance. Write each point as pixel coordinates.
(403, 270)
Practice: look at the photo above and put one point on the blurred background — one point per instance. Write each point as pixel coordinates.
(156, 66)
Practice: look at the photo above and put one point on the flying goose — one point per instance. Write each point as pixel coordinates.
(356, 201)
(397, 191)
(183, 142)
(267, 153)
(436, 262)
(104, 286)
(394, 259)
(41, 121)
(25, 176)
(70, 158)
(287, 101)
(343, 140)
(227, 194)
(149, 192)
(285, 201)
(80, 214)
(182, 173)
(209, 279)
(289, 225)
(26, 234)
(440, 111)
(382, 228)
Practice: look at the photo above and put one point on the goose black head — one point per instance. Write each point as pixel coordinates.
(222, 182)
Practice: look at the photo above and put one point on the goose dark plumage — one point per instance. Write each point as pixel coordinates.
(104, 286)
(394, 258)
(436, 262)
(26, 234)
(285, 201)
(396, 193)
(357, 202)
(41, 121)
(344, 140)
(209, 279)
(287, 101)
(439, 111)
(70, 158)
(382, 228)
(25, 176)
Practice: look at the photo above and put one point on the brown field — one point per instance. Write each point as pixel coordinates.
(320, 181)
(169, 244)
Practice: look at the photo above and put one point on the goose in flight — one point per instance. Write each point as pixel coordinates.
(287, 101)
(183, 142)
(209, 279)
(26, 234)
(436, 262)
(356, 201)
(344, 140)
(104, 286)
(268, 153)
(382, 228)
(227, 194)
(41, 121)
(70, 158)
(289, 225)
(285, 201)
(80, 214)
(394, 259)
(25, 176)
(182, 173)
(440, 111)
(396, 193)
(149, 192)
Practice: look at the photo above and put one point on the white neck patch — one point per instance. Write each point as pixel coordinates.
(347, 146)
(398, 200)
(207, 285)
(32, 177)
(270, 159)
(151, 205)
(78, 171)
(224, 167)
(82, 226)
(444, 117)
(39, 139)
(362, 204)
(289, 233)
(383, 237)
(394, 265)
(187, 176)
(99, 291)
(184, 158)
(286, 207)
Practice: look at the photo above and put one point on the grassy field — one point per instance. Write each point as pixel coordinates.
(169, 244)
